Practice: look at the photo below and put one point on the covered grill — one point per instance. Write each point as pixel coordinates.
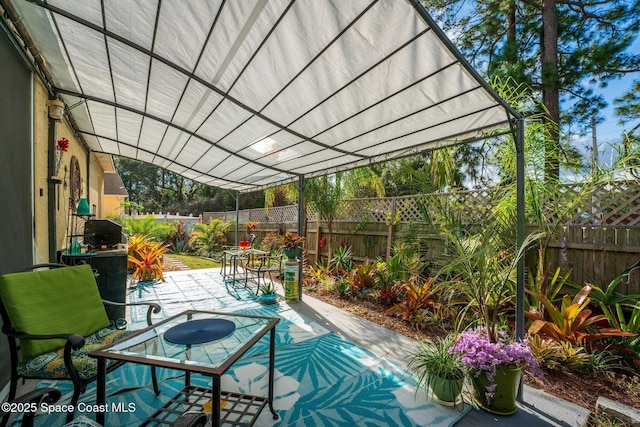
(102, 234)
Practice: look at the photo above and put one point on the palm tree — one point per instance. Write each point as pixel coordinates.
(208, 238)
(324, 194)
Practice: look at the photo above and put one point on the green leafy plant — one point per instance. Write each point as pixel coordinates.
(602, 361)
(550, 288)
(129, 207)
(208, 238)
(401, 266)
(362, 277)
(163, 231)
(608, 297)
(483, 267)
(630, 322)
(433, 363)
(404, 263)
(268, 289)
(180, 246)
(142, 226)
(339, 285)
(342, 260)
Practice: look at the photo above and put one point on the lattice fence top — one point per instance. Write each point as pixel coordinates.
(616, 204)
(280, 214)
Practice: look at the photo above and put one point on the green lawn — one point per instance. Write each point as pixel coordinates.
(195, 262)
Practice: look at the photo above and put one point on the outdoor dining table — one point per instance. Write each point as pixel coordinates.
(197, 342)
(233, 258)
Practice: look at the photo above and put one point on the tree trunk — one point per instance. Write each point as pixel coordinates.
(511, 50)
(550, 87)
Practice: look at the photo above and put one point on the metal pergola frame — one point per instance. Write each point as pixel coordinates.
(107, 120)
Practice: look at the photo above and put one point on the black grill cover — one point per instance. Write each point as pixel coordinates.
(102, 232)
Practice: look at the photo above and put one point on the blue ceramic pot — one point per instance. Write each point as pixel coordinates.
(269, 297)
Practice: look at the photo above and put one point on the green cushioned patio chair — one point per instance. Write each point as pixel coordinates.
(53, 317)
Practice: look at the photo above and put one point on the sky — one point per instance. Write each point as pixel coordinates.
(609, 131)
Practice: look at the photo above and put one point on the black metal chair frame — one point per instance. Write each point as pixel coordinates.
(266, 265)
(31, 400)
(74, 342)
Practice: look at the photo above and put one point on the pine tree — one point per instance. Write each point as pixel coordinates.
(563, 49)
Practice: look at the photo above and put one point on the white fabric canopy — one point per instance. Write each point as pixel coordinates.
(245, 94)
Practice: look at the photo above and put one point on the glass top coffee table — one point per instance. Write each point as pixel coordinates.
(168, 344)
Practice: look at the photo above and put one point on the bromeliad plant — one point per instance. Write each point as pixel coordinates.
(417, 296)
(146, 258)
(572, 321)
(362, 276)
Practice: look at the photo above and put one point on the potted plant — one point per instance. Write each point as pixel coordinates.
(483, 269)
(291, 244)
(250, 227)
(439, 370)
(494, 367)
(268, 293)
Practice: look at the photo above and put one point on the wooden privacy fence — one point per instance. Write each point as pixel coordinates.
(597, 255)
(599, 240)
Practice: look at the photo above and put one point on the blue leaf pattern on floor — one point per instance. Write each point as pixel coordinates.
(320, 378)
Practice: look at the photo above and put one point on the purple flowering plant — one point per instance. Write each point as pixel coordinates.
(480, 355)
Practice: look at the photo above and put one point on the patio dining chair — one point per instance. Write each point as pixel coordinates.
(271, 264)
(53, 317)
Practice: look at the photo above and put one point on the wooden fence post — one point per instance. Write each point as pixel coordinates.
(317, 248)
(391, 227)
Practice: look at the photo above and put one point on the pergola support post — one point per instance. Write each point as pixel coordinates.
(237, 216)
(52, 183)
(301, 218)
(520, 233)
